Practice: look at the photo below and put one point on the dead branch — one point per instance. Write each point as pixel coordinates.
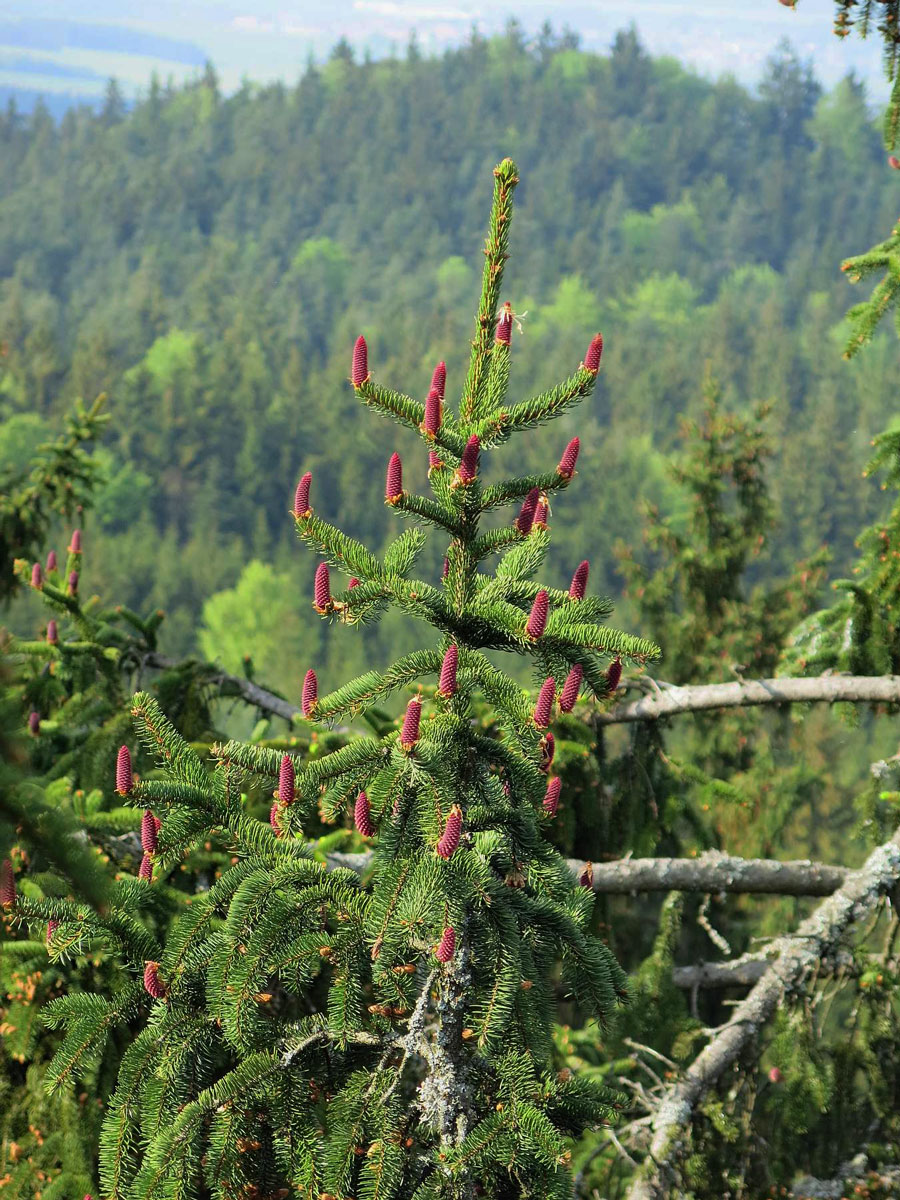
(795, 958)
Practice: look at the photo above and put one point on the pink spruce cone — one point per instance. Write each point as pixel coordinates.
(543, 710)
(447, 681)
(52, 633)
(571, 688)
(435, 462)
(578, 586)
(541, 514)
(586, 878)
(124, 776)
(360, 371)
(393, 486)
(551, 796)
(507, 788)
(569, 458)
(301, 496)
(525, 519)
(446, 847)
(145, 870)
(504, 325)
(468, 466)
(75, 544)
(893, 160)
(51, 561)
(613, 675)
(445, 570)
(37, 576)
(362, 816)
(432, 421)
(152, 982)
(34, 723)
(409, 734)
(273, 819)
(594, 353)
(548, 751)
(446, 946)
(73, 583)
(354, 582)
(286, 773)
(537, 618)
(775, 1074)
(7, 884)
(439, 379)
(322, 601)
(310, 697)
(158, 823)
(52, 927)
(149, 840)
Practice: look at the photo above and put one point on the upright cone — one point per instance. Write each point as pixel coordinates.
(579, 583)
(543, 710)
(124, 776)
(322, 601)
(537, 618)
(446, 946)
(362, 816)
(393, 485)
(286, 770)
(360, 369)
(152, 982)
(449, 842)
(310, 696)
(447, 681)
(301, 496)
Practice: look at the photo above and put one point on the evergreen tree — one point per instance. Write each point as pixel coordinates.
(389, 1034)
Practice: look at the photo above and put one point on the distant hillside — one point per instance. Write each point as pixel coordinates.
(209, 261)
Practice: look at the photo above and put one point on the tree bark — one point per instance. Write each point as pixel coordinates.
(669, 700)
(796, 958)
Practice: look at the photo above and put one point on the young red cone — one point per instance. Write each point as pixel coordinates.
(586, 878)
(446, 946)
(525, 519)
(537, 618)
(594, 353)
(354, 582)
(145, 870)
(73, 583)
(447, 681)
(775, 1075)
(124, 776)
(569, 458)
(52, 927)
(432, 422)
(152, 982)
(571, 688)
(435, 462)
(551, 796)
(51, 561)
(445, 570)
(310, 696)
(37, 576)
(543, 710)
(149, 840)
(613, 675)
(286, 770)
(393, 486)
(322, 601)
(75, 544)
(449, 842)
(504, 325)
(52, 633)
(578, 586)
(439, 379)
(548, 751)
(7, 884)
(301, 496)
(34, 723)
(541, 514)
(409, 734)
(360, 371)
(468, 466)
(362, 816)
(273, 819)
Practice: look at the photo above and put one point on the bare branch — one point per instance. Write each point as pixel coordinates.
(667, 700)
(796, 957)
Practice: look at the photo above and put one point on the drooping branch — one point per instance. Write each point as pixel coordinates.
(796, 957)
(232, 685)
(668, 700)
(711, 872)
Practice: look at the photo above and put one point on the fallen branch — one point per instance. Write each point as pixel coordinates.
(667, 700)
(796, 957)
(711, 872)
(750, 968)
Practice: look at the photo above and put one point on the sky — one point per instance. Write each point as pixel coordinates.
(55, 47)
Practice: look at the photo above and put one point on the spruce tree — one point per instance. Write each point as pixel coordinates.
(378, 1025)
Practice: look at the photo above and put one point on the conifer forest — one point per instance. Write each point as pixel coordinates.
(450, 633)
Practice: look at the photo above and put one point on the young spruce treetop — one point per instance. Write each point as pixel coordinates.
(382, 1031)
